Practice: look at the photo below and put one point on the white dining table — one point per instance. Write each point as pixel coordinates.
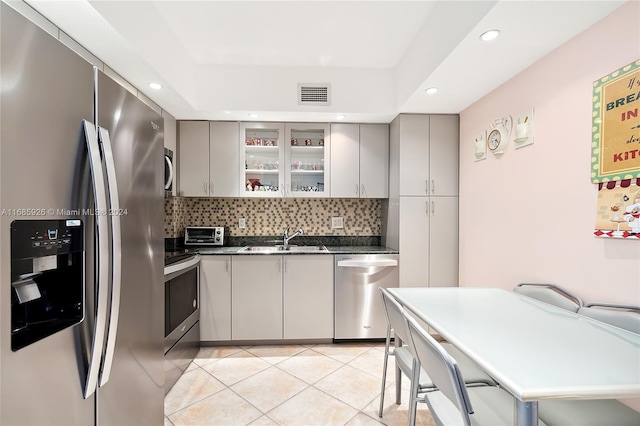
(536, 351)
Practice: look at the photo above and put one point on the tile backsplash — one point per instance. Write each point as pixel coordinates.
(270, 216)
(174, 217)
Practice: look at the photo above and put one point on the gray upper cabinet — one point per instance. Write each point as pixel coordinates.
(345, 161)
(284, 160)
(428, 155)
(223, 158)
(208, 158)
(374, 160)
(193, 146)
(290, 160)
(414, 154)
(359, 160)
(444, 154)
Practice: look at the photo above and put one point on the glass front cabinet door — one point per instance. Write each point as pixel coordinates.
(307, 159)
(263, 156)
(281, 160)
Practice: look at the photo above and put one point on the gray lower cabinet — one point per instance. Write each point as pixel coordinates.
(215, 298)
(432, 259)
(256, 297)
(308, 297)
(282, 297)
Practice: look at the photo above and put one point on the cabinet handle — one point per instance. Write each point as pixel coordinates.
(206, 188)
(226, 266)
(426, 185)
(284, 262)
(211, 188)
(433, 186)
(357, 189)
(279, 266)
(433, 208)
(426, 205)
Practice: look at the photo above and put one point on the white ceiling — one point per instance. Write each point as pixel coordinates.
(221, 60)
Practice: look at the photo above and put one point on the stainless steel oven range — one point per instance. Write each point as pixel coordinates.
(181, 315)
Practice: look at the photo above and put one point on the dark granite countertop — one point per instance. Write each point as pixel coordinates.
(334, 245)
(331, 250)
(361, 250)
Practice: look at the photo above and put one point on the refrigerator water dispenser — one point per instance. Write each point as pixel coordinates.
(47, 278)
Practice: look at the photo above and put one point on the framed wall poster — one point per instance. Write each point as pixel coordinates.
(616, 125)
(618, 214)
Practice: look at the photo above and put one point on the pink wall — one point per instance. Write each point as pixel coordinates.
(528, 215)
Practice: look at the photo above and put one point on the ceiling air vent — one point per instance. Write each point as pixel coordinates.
(314, 94)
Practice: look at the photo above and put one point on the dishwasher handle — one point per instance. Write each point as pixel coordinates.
(350, 263)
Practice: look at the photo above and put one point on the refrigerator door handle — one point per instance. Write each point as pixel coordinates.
(102, 236)
(116, 254)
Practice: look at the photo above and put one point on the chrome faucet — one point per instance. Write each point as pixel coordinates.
(286, 237)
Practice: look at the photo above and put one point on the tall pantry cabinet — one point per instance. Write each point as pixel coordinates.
(422, 218)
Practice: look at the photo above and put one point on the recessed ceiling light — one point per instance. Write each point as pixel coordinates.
(431, 90)
(340, 117)
(227, 112)
(253, 115)
(489, 35)
(155, 86)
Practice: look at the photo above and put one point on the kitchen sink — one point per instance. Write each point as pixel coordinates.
(281, 248)
(306, 249)
(265, 249)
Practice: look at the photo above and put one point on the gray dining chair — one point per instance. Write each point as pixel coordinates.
(623, 316)
(454, 402)
(551, 294)
(405, 362)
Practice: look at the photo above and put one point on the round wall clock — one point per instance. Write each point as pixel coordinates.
(494, 139)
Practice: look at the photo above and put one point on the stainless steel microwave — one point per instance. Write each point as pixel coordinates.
(204, 236)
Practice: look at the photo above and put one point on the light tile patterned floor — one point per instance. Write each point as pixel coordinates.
(332, 384)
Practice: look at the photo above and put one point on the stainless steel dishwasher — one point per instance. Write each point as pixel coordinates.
(358, 306)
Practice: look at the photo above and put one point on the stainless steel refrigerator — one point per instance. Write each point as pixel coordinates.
(81, 240)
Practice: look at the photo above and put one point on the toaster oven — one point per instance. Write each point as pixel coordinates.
(205, 236)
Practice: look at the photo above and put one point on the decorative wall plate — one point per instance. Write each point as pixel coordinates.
(480, 149)
(524, 129)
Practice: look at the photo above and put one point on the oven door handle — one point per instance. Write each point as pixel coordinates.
(177, 267)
